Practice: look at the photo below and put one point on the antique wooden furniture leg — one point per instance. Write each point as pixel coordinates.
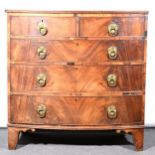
(13, 136)
(138, 137)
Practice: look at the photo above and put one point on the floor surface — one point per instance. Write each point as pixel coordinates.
(77, 143)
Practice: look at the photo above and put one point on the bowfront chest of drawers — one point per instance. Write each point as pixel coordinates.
(76, 71)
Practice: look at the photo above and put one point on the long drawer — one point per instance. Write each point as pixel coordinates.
(78, 51)
(76, 110)
(62, 78)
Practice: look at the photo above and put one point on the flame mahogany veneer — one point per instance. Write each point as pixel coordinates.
(76, 70)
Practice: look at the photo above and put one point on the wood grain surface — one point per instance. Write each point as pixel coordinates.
(77, 51)
(57, 27)
(97, 27)
(75, 78)
(76, 110)
(76, 95)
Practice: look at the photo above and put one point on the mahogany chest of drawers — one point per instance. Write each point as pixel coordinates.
(76, 71)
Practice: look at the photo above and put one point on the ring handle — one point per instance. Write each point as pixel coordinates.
(41, 79)
(42, 28)
(41, 110)
(112, 112)
(112, 52)
(113, 29)
(112, 80)
(42, 52)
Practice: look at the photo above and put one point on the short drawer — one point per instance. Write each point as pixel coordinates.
(49, 27)
(76, 110)
(63, 78)
(111, 26)
(77, 51)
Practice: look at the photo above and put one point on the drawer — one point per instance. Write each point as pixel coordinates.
(98, 26)
(76, 110)
(52, 27)
(57, 78)
(78, 51)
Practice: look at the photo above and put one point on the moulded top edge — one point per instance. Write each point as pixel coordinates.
(77, 12)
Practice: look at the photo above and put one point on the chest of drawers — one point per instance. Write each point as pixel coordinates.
(76, 71)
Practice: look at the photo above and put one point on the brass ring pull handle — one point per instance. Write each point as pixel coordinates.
(112, 52)
(42, 28)
(112, 80)
(41, 79)
(42, 52)
(112, 112)
(41, 110)
(113, 29)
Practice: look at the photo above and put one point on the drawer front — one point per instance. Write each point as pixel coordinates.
(57, 78)
(76, 110)
(78, 51)
(53, 27)
(98, 26)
